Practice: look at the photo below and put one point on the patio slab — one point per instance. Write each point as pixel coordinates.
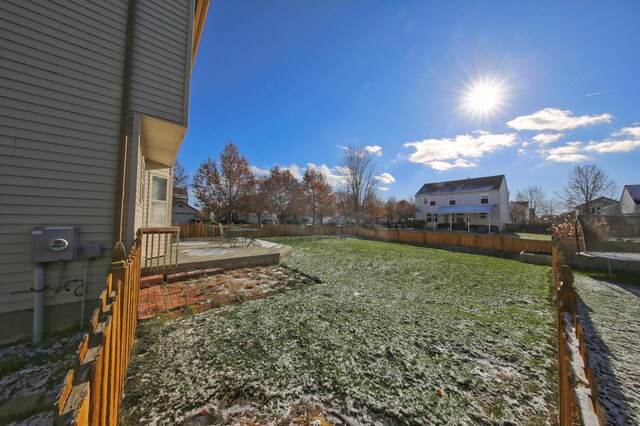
(203, 254)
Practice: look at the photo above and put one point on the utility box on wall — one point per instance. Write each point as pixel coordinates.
(54, 243)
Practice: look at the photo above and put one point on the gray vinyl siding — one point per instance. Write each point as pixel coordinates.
(161, 46)
(61, 63)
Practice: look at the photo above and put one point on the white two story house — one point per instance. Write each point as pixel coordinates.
(467, 204)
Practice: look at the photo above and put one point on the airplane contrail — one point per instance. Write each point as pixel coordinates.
(597, 93)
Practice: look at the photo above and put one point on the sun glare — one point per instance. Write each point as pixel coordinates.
(483, 98)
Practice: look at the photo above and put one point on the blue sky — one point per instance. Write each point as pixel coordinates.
(293, 81)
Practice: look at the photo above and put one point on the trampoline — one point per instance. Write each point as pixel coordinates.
(612, 238)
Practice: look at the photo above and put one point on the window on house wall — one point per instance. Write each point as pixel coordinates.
(452, 201)
(425, 201)
(483, 215)
(158, 196)
(484, 199)
(428, 217)
(434, 217)
(432, 203)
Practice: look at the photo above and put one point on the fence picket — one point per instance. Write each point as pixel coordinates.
(98, 380)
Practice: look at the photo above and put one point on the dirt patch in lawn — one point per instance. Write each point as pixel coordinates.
(213, 291)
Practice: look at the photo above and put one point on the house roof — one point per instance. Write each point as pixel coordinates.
(486, 183)
(478, 208)
(604, 200)
(180, 193)
(634, 191)
(184, 205)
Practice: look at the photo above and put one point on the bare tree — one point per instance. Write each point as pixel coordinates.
(180, 177)
(359, 171)
(536, 198)
(585, 184)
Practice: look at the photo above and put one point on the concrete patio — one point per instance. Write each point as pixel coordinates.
(197, 254)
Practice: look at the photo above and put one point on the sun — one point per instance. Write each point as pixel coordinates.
(484, 97)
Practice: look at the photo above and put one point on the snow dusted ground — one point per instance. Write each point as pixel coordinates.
(393, 335)
(27, 370)
(610, 314)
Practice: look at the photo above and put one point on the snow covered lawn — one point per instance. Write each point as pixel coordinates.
(610, 314)
(394, 334)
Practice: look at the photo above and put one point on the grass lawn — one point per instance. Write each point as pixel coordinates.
(373, 343)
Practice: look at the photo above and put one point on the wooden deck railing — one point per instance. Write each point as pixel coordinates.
(92, 391)
(454, 239)
(577, 388)
(160, 248)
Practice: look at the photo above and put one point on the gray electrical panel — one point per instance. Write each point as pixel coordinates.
(54, 243)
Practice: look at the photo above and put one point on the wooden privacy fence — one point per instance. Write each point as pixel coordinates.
(206, 230)
(577, 388)
(92, 391)
(456, 239)
(411, 236)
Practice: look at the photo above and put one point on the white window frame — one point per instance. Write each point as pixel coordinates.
(151, 201)
(484, 197)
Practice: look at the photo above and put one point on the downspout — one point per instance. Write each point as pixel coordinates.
(124, 123)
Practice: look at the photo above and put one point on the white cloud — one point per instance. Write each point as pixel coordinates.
(258, 171)
(445, 154)
(383, 188)
(334, 176)
(546, 138)
(580, 151)
(607, 146)
(374, 149)
(570, 153)
(629, 131)
(295, 170)
(556, 119)
(385, 178)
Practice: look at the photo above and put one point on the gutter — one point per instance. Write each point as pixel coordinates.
(124, 123)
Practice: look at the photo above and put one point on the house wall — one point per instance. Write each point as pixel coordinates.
(62, 65)
(462, 199)
(498, 217)
(162, 59)
(627, 205)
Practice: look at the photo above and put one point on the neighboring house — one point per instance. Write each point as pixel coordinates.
(181, 211)
(95, 103)
(630, 200)
(595, 206)
(519, 212)
(472, 202)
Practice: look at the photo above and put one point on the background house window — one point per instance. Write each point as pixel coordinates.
(158, 208)
(484, 199)
(483, 215)
(452, 201)
(425, 201)
(432, 203)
